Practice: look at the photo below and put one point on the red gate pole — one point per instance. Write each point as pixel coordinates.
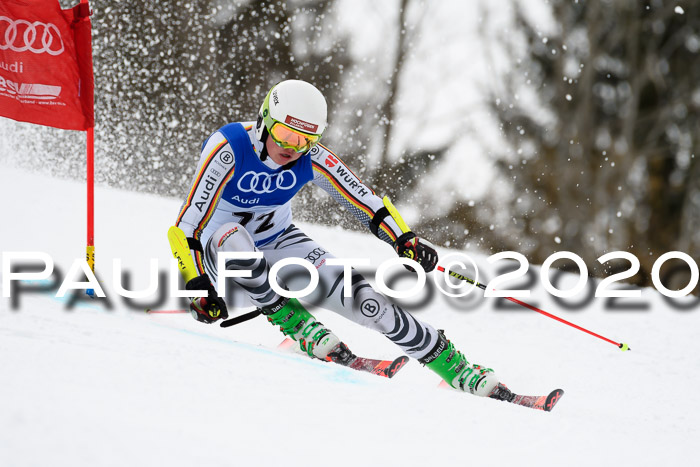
(90, 168)
(90, 176)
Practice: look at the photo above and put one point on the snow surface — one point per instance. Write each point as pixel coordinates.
(96, 387)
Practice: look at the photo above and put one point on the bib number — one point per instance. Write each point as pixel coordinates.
(264, 220)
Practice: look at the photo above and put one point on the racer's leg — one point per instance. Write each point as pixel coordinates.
(364, 305)
(367, 307)
(292, 318)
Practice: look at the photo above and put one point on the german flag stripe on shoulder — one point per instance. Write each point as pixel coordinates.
(198, 179)
(212, 206)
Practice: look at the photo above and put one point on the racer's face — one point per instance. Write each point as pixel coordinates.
(281, 155)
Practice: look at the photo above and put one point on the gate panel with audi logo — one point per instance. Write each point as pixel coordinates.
(46, 64)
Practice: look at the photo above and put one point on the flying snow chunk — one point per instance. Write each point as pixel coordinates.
(679, 10)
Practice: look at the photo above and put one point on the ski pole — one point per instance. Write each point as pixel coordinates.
(224, 324)
(404, 228)
(456, 275)
(241, 318)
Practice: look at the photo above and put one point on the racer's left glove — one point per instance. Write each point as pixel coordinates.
(408, 245)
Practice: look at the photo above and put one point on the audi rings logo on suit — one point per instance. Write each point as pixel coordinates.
(315, 255)
(19, 35)
(260, 183)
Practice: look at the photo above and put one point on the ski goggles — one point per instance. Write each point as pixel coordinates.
(289, 138)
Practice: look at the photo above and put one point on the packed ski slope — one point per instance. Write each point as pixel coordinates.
(93, 386)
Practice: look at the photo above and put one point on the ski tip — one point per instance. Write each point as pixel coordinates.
(552, 399)
(287, 343)
(395, 366)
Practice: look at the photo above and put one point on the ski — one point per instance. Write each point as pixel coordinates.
(545, 403)
(385, 368)
(502, 393)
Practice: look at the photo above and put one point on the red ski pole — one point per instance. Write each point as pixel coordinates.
(404, 228)
(456, 275)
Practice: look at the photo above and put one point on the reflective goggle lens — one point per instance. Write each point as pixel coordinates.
(292, 139)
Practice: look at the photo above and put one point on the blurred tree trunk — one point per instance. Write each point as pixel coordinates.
(386, 109)
(399, 174)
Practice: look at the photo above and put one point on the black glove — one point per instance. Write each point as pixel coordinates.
(206, 309)
(417, 249)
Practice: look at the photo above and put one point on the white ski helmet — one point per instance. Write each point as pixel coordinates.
(294, 113)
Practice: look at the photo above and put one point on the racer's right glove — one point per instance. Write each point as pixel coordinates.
(206, 309)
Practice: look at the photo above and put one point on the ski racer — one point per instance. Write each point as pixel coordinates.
(240, 201)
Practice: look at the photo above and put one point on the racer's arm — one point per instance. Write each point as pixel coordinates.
(215, 169)
(334, 177)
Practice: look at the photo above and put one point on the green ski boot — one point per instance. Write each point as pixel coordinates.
(453, 367)
(296, 322)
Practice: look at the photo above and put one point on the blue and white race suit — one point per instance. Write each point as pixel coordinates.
(239, 202)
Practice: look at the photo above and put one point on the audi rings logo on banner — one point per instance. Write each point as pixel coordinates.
(260, 183)
(20, 35)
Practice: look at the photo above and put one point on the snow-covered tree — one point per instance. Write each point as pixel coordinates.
(601, 114)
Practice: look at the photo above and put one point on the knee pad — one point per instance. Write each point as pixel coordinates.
(232, 236)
